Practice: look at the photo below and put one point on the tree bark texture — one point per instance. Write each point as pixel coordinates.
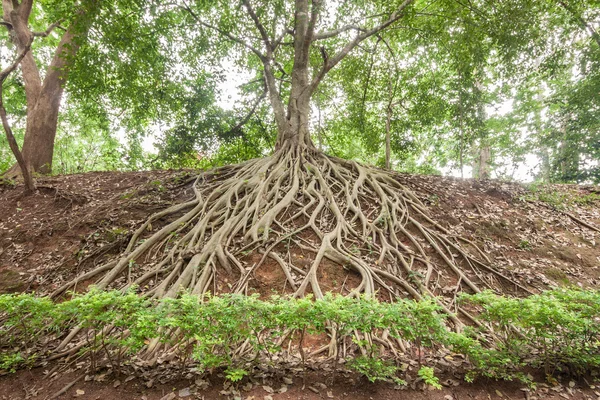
(43, 96)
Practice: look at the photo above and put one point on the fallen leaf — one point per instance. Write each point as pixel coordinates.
(268, 389)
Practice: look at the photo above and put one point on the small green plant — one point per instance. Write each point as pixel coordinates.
(525, 245)
(158, 185)
(4, 181)
(556, 330)
(11, 362)
(428, 376)
(235, 374)
(106, 317)
(433, 199)
(376, 369)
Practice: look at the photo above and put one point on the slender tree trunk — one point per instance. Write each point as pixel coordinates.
(481, 168)
(388, 139)
(12, 142)
(485, 153)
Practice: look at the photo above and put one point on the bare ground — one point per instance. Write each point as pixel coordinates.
(313, 386)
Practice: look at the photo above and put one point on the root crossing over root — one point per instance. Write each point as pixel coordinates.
(337, 213)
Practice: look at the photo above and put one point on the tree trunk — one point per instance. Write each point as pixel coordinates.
(43, 97)
(293, 124)
(27, 178)
(42, 123)
(481, 168)
(388, 139)
(12, 142)
(295, 130)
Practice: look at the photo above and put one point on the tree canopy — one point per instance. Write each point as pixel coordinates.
(471, 88)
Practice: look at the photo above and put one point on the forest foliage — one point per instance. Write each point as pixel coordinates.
(506, 90)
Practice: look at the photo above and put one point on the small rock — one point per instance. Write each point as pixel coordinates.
(313, 389)
(268, 397)
(287, 381)
(78, 393)
(116, 383)
(450, 382)
(170, 396)
(330, 394)
(185, 392)
(201, 383)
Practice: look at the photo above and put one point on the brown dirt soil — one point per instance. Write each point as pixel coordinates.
(314, 385)
(74, 222)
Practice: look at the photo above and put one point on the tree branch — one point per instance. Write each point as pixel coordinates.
(8, 70)
(335, 32)
(21, 36)
(333, 61)
(312, 23)
(25, 9)
(263, 32)
(49, 30)
(245, 120)
(277, 42)
(224, 33)
(580, 21)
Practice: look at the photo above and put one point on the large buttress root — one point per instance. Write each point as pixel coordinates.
(341, 213)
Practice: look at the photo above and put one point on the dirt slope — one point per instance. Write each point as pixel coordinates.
(76, 221)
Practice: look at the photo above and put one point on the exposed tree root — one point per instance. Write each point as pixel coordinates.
(342, 213)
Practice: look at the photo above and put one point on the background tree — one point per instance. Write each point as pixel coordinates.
(44, 87)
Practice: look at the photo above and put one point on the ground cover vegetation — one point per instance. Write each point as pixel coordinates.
(557, 330)
(332, 84)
